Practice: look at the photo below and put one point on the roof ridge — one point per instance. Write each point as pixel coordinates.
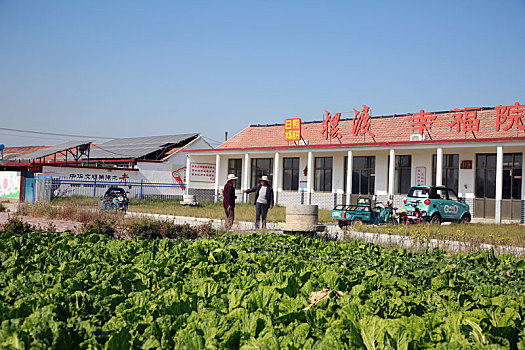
(351, 118)
(234, 136)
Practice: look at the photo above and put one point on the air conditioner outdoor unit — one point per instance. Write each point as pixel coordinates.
(417, 137)
(302, 143)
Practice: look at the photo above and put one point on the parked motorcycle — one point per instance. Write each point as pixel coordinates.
(115, 199)
(415, 216)
(387, 213)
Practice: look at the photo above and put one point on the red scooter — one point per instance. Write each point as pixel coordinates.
(415, 217)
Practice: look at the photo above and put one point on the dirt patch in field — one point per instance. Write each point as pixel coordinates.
(61, 225)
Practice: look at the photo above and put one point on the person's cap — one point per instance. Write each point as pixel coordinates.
(232, 177)
(264, 178)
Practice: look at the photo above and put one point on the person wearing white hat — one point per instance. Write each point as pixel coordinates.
(263, 201)
(228, 201)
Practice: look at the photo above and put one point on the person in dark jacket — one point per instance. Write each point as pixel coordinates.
(228, 201)
(263, 200)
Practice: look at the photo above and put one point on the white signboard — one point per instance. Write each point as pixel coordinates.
(202, 172)
(421, 176)
(302, 186)
(10, 184)
(90, 174)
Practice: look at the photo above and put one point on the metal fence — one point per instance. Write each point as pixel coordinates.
(42, 188)
(47, 187)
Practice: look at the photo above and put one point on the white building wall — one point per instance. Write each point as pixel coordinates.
(157, 172)
(338, 173)
(421, 157)
(381, 182)
(466, 180)
(303, 163)
(223, 174)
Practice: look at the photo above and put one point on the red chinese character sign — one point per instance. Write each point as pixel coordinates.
(292, 129)
(331, 126)
(361, 124)
(421, 176)
(124, 178)
(465, 119)
(421, 121)
(511, 115)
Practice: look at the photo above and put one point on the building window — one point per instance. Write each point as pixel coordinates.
(512, 172)
(260, 167)
(290, 174)
(323, 174)
(450, 173)
(403, 174)
(486, 175)
(235, 167)
(363, 175)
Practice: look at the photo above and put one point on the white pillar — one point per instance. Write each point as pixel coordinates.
(246, 176)
(349, 171)
(276, 176)
(188, 169)
(499, 184)
(391, 172)
(439, 167)
(310, 178)
(217, 174)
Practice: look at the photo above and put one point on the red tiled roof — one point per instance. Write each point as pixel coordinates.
(171, 151)
(24, 149)
(392, 129)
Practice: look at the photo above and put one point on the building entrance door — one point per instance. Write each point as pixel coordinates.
(29, 186)
(363, 178)
(512, 172)
(485, 202)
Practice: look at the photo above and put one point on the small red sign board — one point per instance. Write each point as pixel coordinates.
(292, 129)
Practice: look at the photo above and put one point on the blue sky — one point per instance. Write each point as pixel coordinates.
(134, 68)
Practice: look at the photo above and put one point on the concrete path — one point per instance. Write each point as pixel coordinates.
(333, 232)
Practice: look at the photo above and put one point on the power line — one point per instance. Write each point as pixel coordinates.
(212, 140)
(33, 137)
(56, 134)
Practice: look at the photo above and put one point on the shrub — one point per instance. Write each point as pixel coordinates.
(49, 228)
(103, 227)
(17, 226)
(147, 228)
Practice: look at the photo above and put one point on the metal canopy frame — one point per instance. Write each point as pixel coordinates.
(149, 147)
(79, 151)
(75, 150)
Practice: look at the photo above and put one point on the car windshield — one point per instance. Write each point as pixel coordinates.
(418, 192)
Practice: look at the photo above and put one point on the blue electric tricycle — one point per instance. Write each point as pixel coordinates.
(365, 213)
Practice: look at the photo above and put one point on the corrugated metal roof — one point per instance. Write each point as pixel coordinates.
(53, 149)
(136, 147)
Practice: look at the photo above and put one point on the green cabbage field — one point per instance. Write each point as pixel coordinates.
(258, 291)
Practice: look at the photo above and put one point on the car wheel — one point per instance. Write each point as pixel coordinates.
(435, 219)
(357, 222)
(465, 219)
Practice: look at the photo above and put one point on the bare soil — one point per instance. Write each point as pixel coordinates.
(61, 225)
